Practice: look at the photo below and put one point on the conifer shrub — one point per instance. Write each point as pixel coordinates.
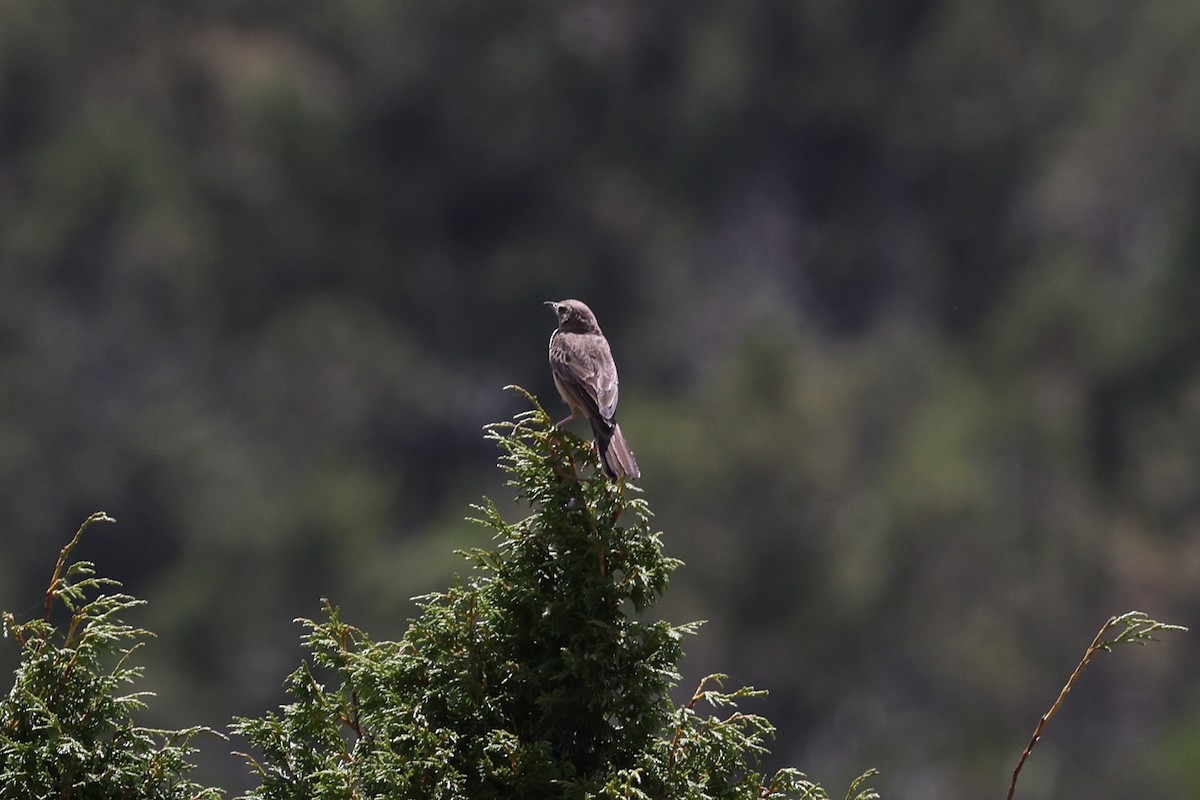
(539, 676)
(66, 726)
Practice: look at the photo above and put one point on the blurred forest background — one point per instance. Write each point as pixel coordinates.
(905, 298)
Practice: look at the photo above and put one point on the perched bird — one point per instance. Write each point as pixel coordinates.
(586, 377)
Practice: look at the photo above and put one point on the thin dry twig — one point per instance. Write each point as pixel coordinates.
(1138, 629)
(56, 579)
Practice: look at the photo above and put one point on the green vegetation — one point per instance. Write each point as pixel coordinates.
(538, 678)
(903, 298)
(66, 728)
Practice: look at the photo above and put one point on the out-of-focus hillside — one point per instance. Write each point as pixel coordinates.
(905, 302)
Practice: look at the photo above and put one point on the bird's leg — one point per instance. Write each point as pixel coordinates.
(561, 423)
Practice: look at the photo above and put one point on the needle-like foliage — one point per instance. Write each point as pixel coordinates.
(539, 677)
(66, 728)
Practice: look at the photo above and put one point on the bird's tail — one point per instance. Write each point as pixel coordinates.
(615, 455)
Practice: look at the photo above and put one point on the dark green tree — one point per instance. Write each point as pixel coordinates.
(536, 678)
(66, 730)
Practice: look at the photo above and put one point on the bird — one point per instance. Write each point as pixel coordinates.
(586, 377)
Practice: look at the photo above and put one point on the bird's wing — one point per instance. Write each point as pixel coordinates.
(592, 378)
(605, 385)
(599, 375)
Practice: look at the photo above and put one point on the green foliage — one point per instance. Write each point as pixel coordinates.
(65, 729)
(537, 678)
(265, 268)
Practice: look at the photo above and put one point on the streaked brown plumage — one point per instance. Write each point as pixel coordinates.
(586, 377)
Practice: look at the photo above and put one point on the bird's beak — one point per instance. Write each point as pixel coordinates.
(550, 304)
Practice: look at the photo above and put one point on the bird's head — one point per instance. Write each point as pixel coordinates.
(573, 316)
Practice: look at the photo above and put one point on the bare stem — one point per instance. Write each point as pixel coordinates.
(63, 556)
(1137, 630)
